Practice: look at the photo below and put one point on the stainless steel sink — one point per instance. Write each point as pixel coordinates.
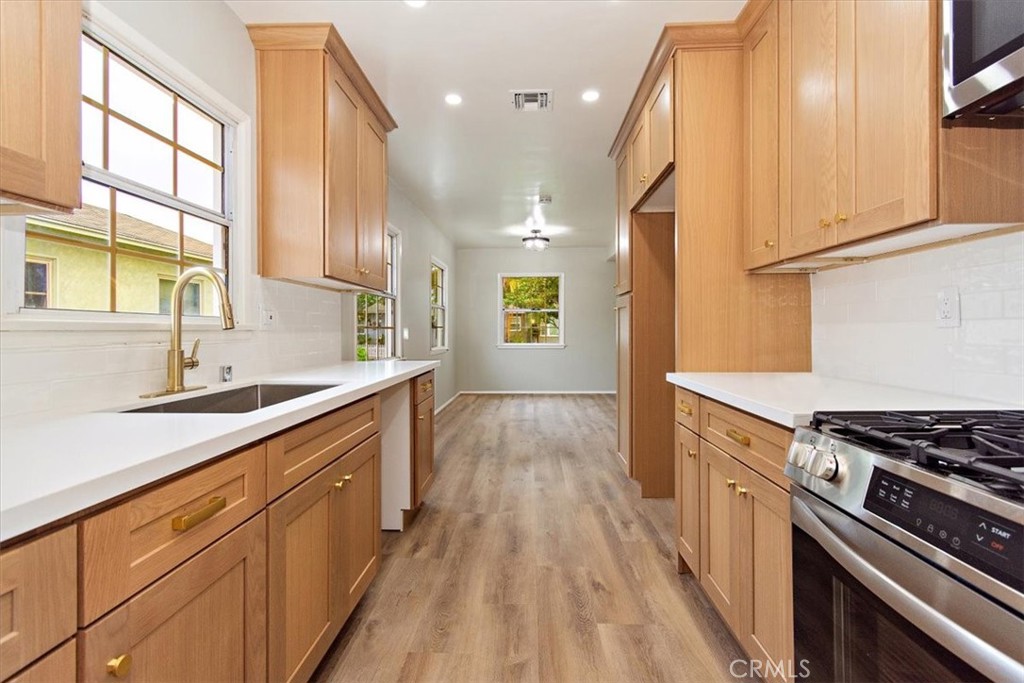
(241, 400)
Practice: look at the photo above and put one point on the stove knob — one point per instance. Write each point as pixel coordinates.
(823, 465)
(799, 454)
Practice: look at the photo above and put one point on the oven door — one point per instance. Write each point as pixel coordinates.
(866, 609)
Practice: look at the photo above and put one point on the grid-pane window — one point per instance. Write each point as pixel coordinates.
(376, 316)
(38, 278)
(153, 169)
(438, 307)
(531, 309)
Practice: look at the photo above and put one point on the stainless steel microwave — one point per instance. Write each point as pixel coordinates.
(983, 59)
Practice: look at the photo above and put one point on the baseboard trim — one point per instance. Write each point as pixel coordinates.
(447, 403)
(547, 393)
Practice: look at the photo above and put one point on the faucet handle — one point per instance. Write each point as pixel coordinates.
(192, 360)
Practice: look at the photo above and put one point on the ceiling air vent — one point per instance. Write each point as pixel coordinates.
(531, 100)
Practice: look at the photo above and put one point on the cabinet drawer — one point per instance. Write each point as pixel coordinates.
(37, 598)
(297, 454)
(423, 387)
(129, 546)
(757, 444)
(56, 667)
(687, 409)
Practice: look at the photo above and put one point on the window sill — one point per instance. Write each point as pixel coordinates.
(531, 346)
(77, 321)
(439, 350)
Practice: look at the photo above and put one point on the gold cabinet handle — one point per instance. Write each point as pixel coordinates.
(769, 244)
(737, 437)
(729, 483)
(118, 667)
(422, 417)
(340, 484)
(740, 491)
(692, 453)
(212, 507)
(685, 408)
(824, 223)
(840, 218)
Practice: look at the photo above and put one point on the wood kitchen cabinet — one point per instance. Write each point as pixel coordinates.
(639, 166)
(59, 666)
(38, 599)
(40, 107)
(719, 532)
(323, 551)
(687, 499)
(422, 437)
(322, 132)
(857, 121)
(623, 373)
(204, 621)
(651, 146)
(623, 215)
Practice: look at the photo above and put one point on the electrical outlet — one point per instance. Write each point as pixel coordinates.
(947, 307)
(268, 318)
(405, 334)
(226, 373)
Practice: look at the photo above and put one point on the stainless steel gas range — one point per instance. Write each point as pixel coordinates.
(908, 546)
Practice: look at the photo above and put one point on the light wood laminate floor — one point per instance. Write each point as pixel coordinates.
(534, 559)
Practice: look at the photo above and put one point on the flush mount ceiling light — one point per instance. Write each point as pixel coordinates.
(416, 4)
(454, 99)
(591, 95)
(535, 242)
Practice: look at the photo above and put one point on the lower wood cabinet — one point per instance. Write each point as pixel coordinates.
(323, 551)
(422, 437)
(56, 667)
(719, 536)
(688, 499)
(204, 621)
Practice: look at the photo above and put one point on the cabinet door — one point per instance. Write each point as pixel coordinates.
(305, 600)
(623, 216)
(688, 498)
(623, 380)
(761, 140)
(40, 108)
(341, 179)
(888, 116)
(766, 570)
(373, 188)
(423, 447)
(359, 517)
(639, 163)
(56, 667)
(807, 117)
(719, 573)
(205, 621)
(660, 124)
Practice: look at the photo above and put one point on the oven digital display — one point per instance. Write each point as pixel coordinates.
(987, 542)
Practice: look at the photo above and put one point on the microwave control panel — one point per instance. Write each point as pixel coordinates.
(985, 541)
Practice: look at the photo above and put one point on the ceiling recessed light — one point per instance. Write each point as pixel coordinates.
(591, 95)
(416, 3)
(453, 99)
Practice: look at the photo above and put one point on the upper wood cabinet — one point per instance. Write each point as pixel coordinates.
(322, 138)
(623, 264)
(639, 166)
(857, 122)
(650, 149)
(40, 110)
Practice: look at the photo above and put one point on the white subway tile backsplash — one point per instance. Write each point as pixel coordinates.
(877, 321)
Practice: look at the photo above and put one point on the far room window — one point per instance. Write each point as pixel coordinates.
(531, 310)
(38, 279)
(154, 167)
(377, 314)
(438, 306)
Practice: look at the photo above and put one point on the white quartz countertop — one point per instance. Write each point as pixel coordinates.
(53, 468)
(791, 398)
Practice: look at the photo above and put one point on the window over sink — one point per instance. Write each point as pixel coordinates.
(377, 314)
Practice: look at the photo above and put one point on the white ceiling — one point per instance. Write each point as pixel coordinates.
(477, 169)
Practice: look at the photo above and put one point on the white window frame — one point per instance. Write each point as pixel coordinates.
(106, 27)
(561, 312)
(396, 268)
(445, 289)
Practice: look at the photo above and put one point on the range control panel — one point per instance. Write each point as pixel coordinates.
(987, 542)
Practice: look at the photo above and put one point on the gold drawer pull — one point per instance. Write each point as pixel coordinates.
(118, 667)
(740, 491)
(186, 522)
(685, 408)
(729, 483)
(344, 480)
(422, 417)
(737, 437)
(691, 453)
(824, 223)
(769, 244)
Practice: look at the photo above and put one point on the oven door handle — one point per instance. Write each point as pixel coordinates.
(962, 642)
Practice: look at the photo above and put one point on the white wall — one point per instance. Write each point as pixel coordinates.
(55, 370)
(587, 363)
(877, 321)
